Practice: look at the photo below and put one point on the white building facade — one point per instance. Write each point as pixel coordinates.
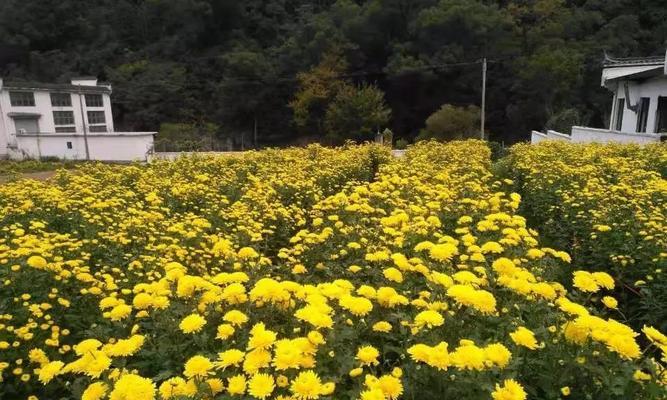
(639, 105)
(66, 121)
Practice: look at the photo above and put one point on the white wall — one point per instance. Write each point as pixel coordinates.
(110, 145)
(43, 107)
(3, 141)
(131, 147)
(581, 134)
(651, 88)
(119, 146)
(4, 121)
(553, 135)
(537, 137)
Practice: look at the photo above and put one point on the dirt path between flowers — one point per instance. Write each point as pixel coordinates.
(39, 176)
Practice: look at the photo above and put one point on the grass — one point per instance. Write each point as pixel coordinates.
(12, 170)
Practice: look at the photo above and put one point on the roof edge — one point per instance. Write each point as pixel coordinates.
(611, 62)
(51, 87)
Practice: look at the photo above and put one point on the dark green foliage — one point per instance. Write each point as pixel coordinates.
(356, 113)
(188, 137)
(562, 121)
(451, 123)
(401, 144)
(238, 64)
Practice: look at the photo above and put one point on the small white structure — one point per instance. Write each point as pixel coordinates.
(639, 106)
(66, 121)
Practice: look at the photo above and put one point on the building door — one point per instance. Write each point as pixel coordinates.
(26, 125)
(661, 118)
(620, 108)
(642, 113)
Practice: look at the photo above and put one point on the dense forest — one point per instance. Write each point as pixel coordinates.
(272, 72)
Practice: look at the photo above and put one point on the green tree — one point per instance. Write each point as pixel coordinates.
(317, 88)
(453, 30)
(187, 137)
(246, 97)
(147, 93)
(232, 63)
(563, 120)
(451, 123)
(356, 113)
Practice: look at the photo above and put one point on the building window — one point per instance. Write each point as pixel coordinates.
(61, 100)
(642, 114)
(64, 121)
(22, 99)
(98, 128)
(96, 121)
(620, 106)
(69, 145)
(63, 117)
(94, 100)
(96, 117)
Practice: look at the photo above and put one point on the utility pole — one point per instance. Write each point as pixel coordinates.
(83, 125)
(481, 132)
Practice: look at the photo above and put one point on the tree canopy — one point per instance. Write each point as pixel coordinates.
(258, 68)
(451, 122)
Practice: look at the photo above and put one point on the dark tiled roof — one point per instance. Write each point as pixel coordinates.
(632, 61)
(56, 86)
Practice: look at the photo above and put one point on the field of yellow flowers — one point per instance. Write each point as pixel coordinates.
(344, 273)
(607, 205)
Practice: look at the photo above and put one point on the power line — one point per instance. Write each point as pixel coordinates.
(360, 73)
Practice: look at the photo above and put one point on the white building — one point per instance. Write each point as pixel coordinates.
(639, 105)
(67, 121)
